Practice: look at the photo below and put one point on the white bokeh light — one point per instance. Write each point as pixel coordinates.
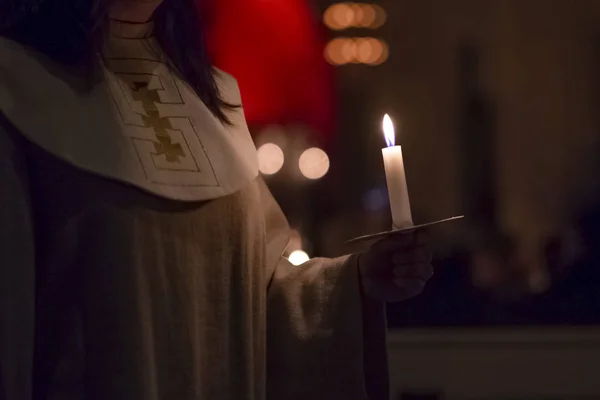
(298, 257)
(314, 163)
(270, 158)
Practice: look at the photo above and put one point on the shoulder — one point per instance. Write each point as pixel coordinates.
(228, 86)
(27, 76)
(9, 49)
(223, 76)
(12, 57)
(12, 144)
(21, 60)
(16, 62)
(7, 44)
(10, 52)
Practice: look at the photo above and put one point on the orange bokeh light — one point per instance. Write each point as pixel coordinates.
(342, 16)
(366, 50)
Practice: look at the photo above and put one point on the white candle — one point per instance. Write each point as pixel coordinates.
(396, 178)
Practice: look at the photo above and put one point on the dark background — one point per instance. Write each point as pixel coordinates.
(497, 106)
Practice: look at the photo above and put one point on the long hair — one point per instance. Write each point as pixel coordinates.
(72, 32)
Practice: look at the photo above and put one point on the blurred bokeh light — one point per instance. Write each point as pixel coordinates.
(314, 163)
(298, 257)
(342, 16)
(361, 50)
(270, 158)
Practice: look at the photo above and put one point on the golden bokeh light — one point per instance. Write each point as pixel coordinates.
(382, 53)
(314, 163)
(298, 257)
(364, 50)
(367, 50)
(380, 17)
(329, 18)
(358, 11)
(342, 16)
(334, 52)
(270, 158)
(339, 16)
(346, 15)
(349, 50)
(368, 16)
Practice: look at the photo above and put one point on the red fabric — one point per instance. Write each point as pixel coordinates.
(274, 48)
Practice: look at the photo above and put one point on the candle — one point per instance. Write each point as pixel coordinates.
(396, 178)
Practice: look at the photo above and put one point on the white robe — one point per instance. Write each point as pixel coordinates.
(116, 284)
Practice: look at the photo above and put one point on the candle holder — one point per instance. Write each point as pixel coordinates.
(401, 231)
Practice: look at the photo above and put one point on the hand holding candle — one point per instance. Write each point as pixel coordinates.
(396, 178)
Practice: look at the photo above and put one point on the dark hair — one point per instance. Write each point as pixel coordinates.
(71, 33)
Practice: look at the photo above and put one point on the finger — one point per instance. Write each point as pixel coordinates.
(408, 288)
(422, 272)
(422, 237)
(394, 291)
(403, 240)
(417, 255)
(394, 241)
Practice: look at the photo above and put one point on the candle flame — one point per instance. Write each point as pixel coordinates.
(388, 131)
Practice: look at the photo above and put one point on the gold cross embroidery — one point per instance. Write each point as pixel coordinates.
(163, 144)
(172, 151)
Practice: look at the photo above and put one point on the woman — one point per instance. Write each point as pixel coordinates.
(140, 254)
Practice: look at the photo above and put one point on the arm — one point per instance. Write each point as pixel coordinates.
(324, 339)
(17, 272)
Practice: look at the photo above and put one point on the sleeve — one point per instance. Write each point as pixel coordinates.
(324, 339)
(17, 273)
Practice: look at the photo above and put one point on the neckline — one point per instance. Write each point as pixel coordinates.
(131, 30)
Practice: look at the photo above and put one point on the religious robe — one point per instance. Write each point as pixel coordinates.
(141, 255)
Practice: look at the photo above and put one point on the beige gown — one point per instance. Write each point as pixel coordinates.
(141, 256)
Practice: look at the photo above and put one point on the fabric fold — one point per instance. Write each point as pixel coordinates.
(324, 339)
(141, 124)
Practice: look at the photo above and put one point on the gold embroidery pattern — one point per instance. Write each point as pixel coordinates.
(151, 107)
(163, 145)
(156, 111)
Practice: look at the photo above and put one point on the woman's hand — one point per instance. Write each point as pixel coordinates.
(396, 268)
